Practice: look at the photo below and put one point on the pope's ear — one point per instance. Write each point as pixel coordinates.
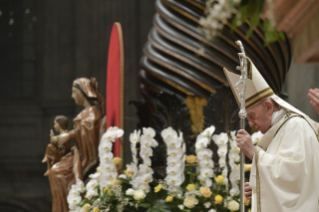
(269, 105)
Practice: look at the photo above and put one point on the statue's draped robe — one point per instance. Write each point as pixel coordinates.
(286, 168)
(80, 161)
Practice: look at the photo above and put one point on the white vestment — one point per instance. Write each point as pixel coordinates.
(285, 170)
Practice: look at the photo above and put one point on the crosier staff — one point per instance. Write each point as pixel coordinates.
(242, 115)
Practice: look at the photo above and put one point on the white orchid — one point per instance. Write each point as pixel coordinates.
(180, 137)
(132, 168)
(106, 157)
(105, 147)
(73, 194)
(222, 162)
(234, 147)
(95, 176)
(204, 154)
(220, 139)
(201, 142)
(150, 132)
(209, 131)
(255, 137)
(175, 152)
(174, 180)
(173, 142)
(80, 185)
(111, 134)
(174, 161)
(135, 136)
(146, 152)
(144, 169)
(222, 151)
(206, 172)
(146, 141)
(234, 156)
(90, 193)
(206, 163)
(92, 184)
(168, 133)
(205, 181)
(234, 191)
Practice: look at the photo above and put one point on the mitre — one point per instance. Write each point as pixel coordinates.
(258, 89)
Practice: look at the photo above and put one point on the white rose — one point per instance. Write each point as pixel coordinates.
(207, 204)
(233, 205)
(123, 176)
(190, 202)
(139, 195)
(181, 207)
(130, 192)
(212, 210)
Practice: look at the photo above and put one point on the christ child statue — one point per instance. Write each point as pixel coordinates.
(54, 152)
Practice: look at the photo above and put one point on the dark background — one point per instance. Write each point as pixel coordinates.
(44, 46)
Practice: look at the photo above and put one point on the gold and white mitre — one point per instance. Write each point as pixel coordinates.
(258, 89)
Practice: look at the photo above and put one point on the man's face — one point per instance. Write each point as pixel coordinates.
(259, 116)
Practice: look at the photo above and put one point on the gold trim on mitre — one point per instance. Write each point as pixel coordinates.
(256, 86)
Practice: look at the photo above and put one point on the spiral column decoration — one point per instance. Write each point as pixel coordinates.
(179, 60)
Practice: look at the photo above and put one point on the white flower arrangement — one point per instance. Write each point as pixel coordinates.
(175, 160)
(136, 189)
(204, 157)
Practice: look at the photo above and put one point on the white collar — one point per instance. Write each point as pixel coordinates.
(276, 116)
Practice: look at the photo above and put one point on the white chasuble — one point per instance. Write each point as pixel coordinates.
(285, 170)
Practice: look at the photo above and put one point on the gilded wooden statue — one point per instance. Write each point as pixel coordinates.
(82, 159)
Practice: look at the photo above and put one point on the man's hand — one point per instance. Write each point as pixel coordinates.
(245, 143)
(248, 191)
(313, 95)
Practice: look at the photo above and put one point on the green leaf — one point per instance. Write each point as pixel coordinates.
(83, 202)
(282, 36)
(254, 22)
(144, 205)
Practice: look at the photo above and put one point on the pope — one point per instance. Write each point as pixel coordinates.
(285, 163)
